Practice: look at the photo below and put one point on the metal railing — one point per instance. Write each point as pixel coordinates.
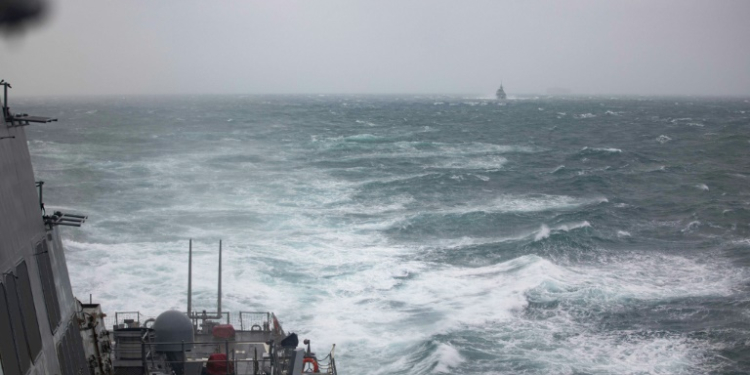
(255, 321)
(128, 319)
(195, 355)
(242, 321)
(136, 348)
(331, 367)
(213, 316)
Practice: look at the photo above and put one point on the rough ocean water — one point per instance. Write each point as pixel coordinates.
(423, 234)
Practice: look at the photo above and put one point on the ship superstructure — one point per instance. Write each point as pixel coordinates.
(44, 329)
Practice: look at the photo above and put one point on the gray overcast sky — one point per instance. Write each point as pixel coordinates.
(318, 46)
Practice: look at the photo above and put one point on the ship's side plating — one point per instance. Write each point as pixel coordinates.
(39, 331)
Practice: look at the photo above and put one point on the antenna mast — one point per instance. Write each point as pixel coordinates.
(190, 280)
(190, 286)
(219, 300)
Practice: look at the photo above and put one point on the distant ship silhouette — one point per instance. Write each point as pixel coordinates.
(500, 94)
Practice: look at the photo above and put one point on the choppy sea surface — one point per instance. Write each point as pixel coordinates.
(422, 234)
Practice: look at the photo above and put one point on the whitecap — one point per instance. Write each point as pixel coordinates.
(602, 149)
(368, 123)
(488, 163)
(363, 138)
(676, 120)
(559, 168)
(691, 226)
(663, 139)
(543, 233)
(447, 357)
(585, 115)
(537, 203)
(662, 168)
(573, 226)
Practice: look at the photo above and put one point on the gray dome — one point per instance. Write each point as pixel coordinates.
(173, 327)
